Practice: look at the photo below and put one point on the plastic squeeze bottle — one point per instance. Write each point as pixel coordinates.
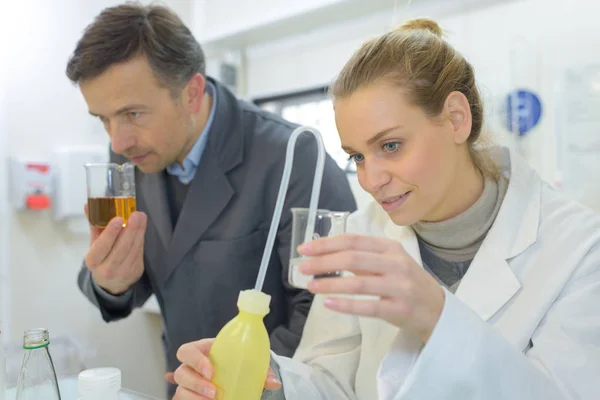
(240, 353)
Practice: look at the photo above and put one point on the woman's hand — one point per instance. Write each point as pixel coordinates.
(196, 371)
(409, 297)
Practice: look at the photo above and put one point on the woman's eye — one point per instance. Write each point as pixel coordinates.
(391, 146)
(357, 158)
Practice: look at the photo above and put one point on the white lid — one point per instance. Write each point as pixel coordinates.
(254, 302)
(96, 382)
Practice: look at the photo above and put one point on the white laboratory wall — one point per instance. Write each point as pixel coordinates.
(524, 43)
(39, 110)
(234, 23)
(219, 20)
(4, 210)
(313, 58)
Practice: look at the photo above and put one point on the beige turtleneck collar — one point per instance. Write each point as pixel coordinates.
(458, 239)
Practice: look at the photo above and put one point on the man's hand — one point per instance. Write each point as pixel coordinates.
(116, 254)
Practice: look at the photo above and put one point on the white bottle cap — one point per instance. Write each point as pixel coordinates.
(254, 302)
(99, 383)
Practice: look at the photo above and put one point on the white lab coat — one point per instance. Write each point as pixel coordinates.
(524, 323)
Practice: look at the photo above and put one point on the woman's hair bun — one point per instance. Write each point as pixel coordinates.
(421, 24)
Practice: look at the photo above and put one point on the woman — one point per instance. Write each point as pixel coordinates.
(472, 279)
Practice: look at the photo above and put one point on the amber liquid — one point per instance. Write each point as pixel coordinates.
(102, 209)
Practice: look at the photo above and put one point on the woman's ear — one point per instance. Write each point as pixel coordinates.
(458, 111)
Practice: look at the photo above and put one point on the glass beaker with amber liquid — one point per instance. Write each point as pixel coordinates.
(110, 192)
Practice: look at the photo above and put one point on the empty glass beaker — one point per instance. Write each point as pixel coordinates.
(327, 223)
(110, 192)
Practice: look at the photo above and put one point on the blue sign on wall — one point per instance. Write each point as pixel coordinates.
(528, 109)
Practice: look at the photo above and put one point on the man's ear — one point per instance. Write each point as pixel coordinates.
(193, 93)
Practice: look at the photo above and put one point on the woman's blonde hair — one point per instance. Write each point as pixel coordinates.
(427, 68)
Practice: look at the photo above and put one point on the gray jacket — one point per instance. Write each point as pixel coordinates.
(197, 269)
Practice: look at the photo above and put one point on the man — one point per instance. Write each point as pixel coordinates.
(208, 173)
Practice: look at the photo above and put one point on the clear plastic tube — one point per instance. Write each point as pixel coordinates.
(314, 198)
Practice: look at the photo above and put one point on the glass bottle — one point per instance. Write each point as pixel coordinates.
(37, 378)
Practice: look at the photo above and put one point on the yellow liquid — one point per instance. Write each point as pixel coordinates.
(240, 355)
(102, 209)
